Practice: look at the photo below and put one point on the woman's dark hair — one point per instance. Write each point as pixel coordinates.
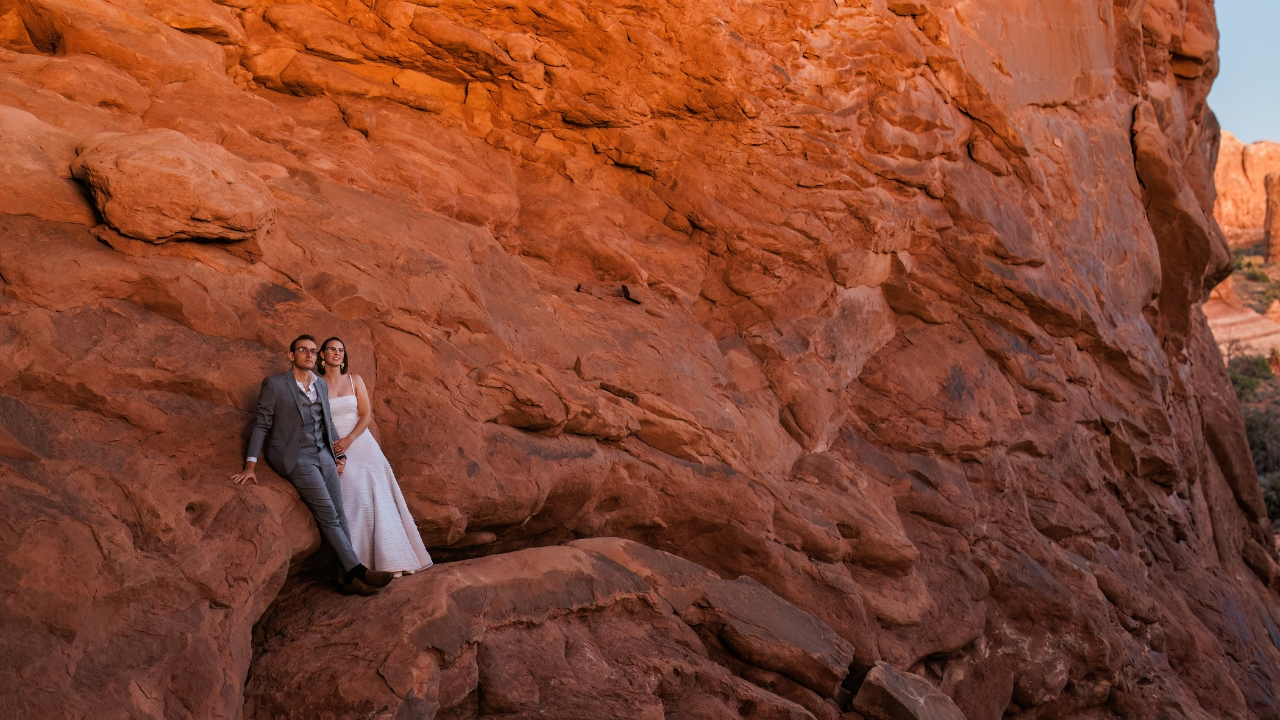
(322, 367)
(293, 346)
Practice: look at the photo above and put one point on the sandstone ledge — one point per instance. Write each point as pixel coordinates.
(562, 632)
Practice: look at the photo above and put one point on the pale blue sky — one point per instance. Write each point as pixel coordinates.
(1246, 95)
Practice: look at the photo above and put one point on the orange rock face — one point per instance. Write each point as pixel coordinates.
(881, 317)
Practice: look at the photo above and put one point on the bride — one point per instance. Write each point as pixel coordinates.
(382, 531)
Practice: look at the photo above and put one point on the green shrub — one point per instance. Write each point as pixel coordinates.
(1254, 366)
(1244, 261)
(1244, 385)
(1260, 367)
(1262, 428)
(1257, 276)
(1247, 374)
(1271, 494)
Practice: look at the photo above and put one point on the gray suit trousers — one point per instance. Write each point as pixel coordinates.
(316, 479)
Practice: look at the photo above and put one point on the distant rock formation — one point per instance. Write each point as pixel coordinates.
(1241, 179)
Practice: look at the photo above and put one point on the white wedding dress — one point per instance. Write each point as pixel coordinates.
(382, 530)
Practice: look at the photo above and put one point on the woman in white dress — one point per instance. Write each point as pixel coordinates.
(383, 534)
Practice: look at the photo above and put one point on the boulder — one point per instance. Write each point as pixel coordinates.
(159, 185)
(890, 694)
(769, 632)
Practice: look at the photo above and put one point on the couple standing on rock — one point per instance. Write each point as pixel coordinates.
(330, 456)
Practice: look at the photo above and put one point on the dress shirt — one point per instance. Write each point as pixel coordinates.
(310, 388)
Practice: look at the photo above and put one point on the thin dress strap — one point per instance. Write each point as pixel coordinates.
(353, 383)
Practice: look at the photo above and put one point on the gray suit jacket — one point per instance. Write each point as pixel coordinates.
(278, 423)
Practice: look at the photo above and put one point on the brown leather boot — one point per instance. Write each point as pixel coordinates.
(358, 587)
(378, 578)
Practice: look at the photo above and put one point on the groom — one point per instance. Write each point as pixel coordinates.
(293, 409)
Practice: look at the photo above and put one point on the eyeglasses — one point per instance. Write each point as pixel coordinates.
(305, 351)
(340, 351)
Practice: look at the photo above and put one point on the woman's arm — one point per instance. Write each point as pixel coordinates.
(365, 408)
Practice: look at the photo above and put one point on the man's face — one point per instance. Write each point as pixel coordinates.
(304, 355)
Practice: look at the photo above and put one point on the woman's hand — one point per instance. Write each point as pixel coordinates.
(340, 447)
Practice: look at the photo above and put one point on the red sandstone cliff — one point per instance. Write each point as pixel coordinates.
(917, 374)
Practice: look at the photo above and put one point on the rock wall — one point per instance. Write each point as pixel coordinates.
(1241, 176)
(890, 307)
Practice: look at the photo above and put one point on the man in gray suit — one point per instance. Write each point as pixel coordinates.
(293, 411)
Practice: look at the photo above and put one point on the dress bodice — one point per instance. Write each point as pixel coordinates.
(346, 413)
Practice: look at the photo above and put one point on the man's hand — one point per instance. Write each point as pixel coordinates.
(341, 464)
(246, 475)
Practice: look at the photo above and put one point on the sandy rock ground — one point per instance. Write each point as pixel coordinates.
(883, 314)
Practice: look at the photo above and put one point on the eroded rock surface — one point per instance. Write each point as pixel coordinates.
(912, 337)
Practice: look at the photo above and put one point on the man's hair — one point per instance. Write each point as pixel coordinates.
(293, 346)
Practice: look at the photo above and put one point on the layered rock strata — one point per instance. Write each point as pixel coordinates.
(887, 312)
(1238, 328)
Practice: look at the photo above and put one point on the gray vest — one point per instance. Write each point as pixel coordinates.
(312, 424)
